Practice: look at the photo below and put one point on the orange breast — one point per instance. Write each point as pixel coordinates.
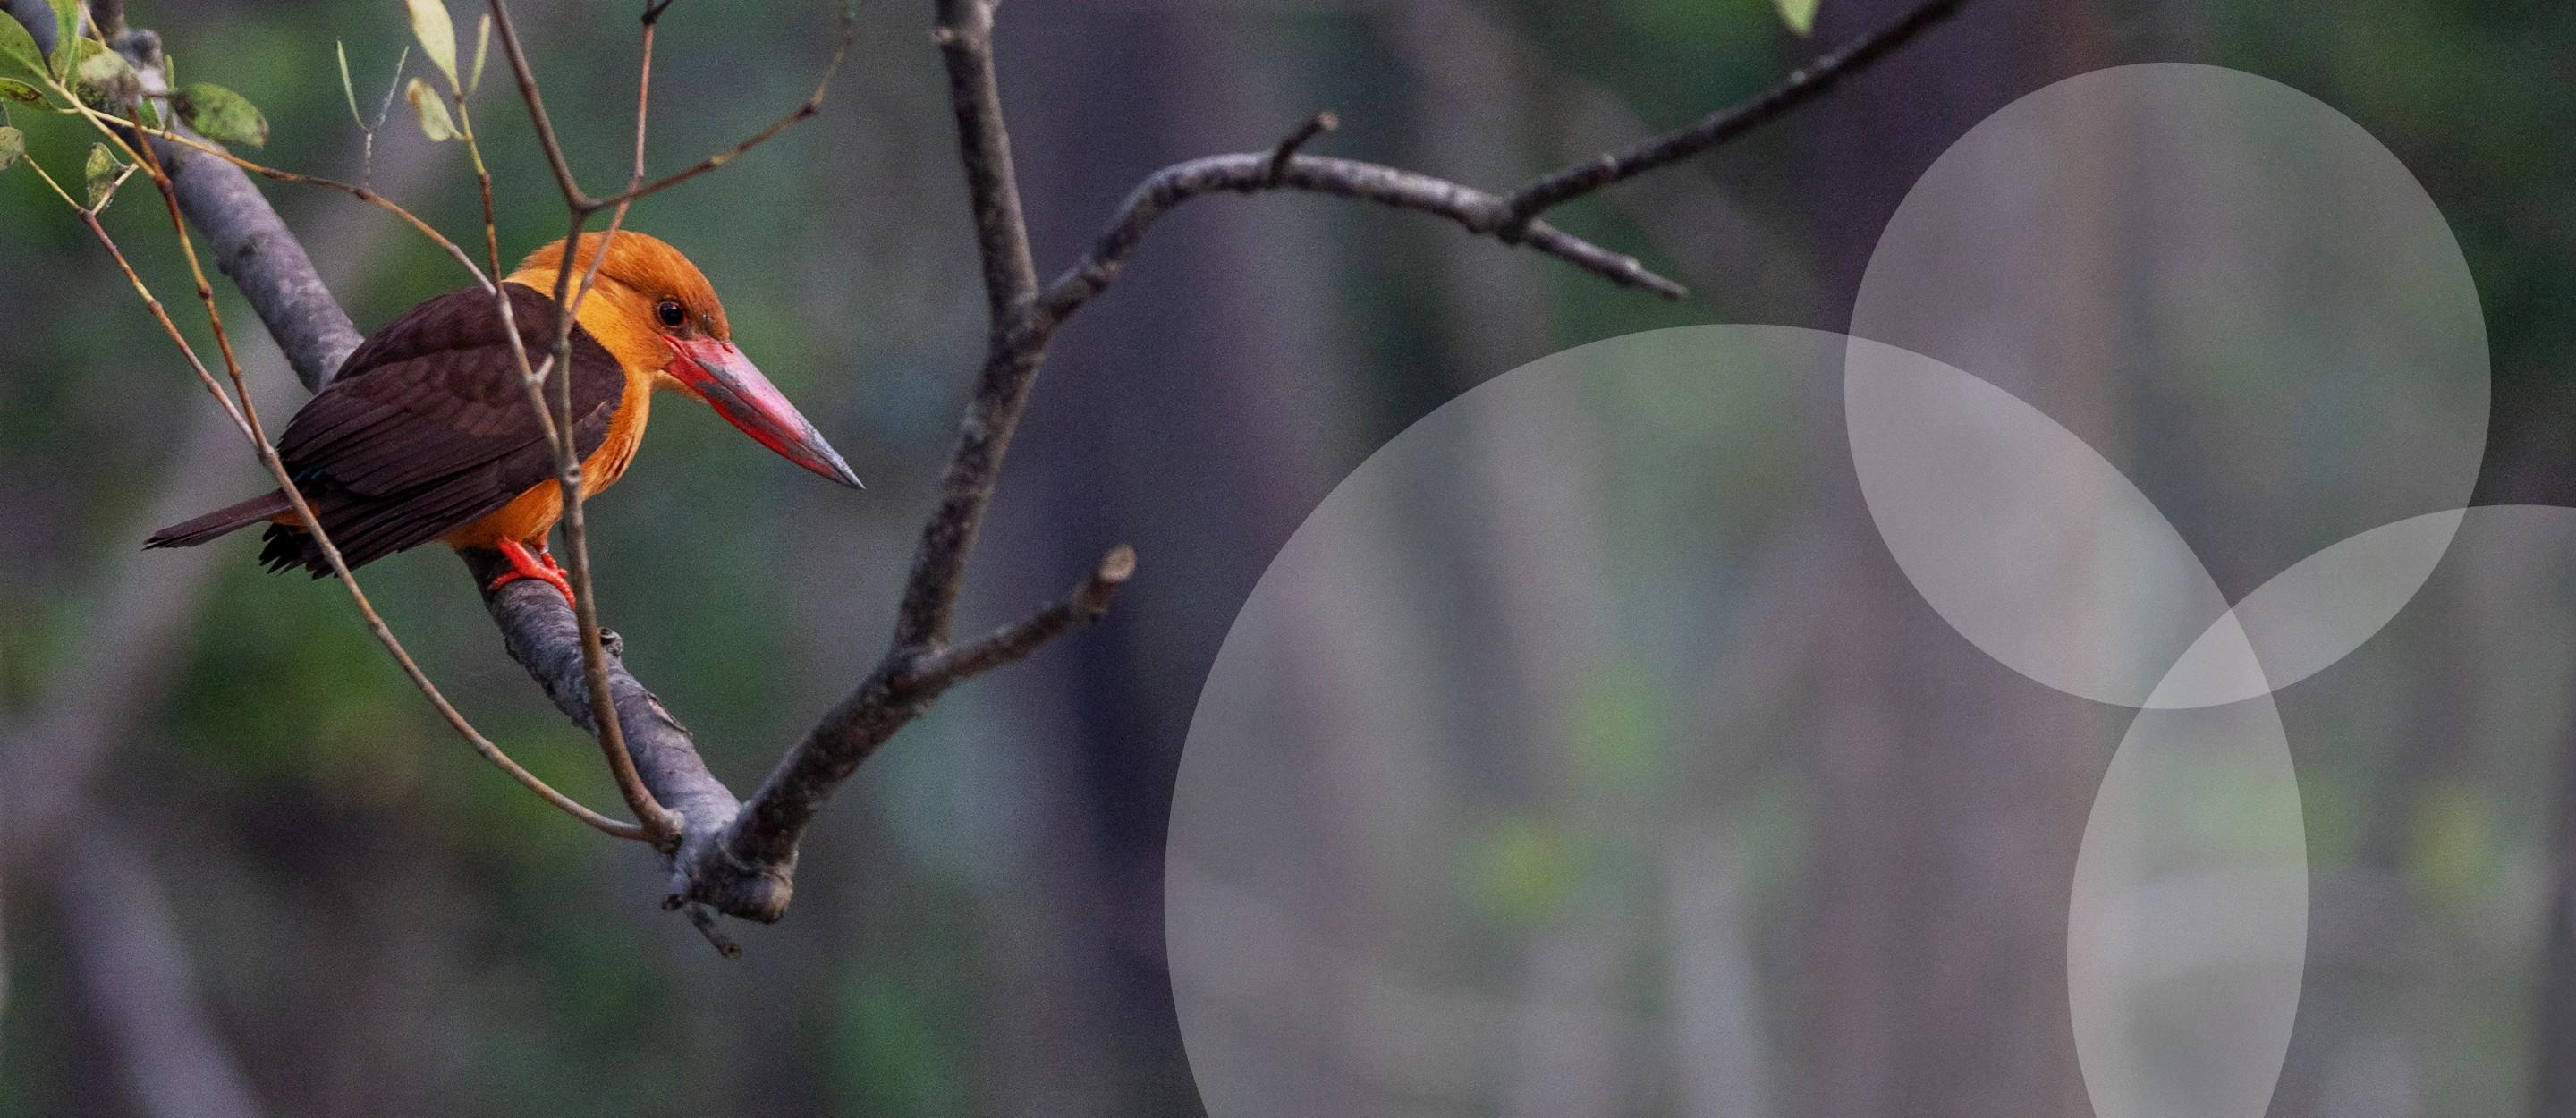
(532, 514)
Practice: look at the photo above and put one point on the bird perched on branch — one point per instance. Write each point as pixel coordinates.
(428, 432)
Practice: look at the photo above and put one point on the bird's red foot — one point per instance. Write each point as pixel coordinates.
(539, 565)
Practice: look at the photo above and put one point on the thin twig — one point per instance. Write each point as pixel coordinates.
(1086, 603)
(528, 376)
(1314, 126)
(813, 104)
(1473, 210)
(1803, 84)
(557, 414)
(739, 858)
(364, 194)
(545, 126)
(747, 872)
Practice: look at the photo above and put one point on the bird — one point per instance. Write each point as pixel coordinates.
(428, 433)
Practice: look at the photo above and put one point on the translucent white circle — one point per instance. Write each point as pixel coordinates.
(1442, 773)
(2224, 305)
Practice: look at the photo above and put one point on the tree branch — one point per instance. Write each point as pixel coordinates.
(1803, 84)
(739, 857)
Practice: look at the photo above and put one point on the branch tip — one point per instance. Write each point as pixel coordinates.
(1316, 125)
(706, 925)
(1116, 567)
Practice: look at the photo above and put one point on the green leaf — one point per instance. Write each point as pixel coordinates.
(437, 35)
(101, 172)
(67, 23)
(19, 57)
(482, 46)
(11, 89)
(222, 115)
(13, 143)
(1800, 15)
(347, 90)
(425, 102)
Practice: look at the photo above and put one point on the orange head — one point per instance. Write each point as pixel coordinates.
(657, 314)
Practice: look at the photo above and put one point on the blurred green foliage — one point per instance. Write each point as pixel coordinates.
(383, 925)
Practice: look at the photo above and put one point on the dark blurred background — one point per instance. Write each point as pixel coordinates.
(284, 880)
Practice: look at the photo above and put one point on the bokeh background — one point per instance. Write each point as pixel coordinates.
(284, 887)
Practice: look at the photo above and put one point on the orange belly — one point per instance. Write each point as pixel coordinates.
(532, 514)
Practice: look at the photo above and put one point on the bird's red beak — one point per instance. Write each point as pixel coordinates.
(729, 383)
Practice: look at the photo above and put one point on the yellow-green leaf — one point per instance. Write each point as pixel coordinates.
(437, 35)
(482, 46)
(222, 115)
(1800, 15)
(347, 90)
(19, 57)
(13, 143)
(101, 173)
(425, 102)
(11, 89)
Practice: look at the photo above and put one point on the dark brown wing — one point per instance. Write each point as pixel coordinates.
(428, 427)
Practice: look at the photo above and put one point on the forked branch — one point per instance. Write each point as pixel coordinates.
(739, 857)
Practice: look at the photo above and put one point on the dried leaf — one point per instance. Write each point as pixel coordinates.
(425, 103)
(103, 78)
(222, 115)
(13, 143)
(102, 173)
(11, 89)
(437, 34)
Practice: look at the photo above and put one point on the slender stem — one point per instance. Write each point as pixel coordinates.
(364, 194)
(557, 413)
(528, 376)
(813, 104)
(151, 302)
(545, 125)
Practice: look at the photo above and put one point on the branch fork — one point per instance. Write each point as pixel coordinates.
(738, 857)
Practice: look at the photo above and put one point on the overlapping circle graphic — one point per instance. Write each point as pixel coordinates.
(1442, 840)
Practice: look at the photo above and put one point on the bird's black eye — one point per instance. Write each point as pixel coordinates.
(672, 314)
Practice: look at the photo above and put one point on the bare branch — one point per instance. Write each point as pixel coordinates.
(812, 104)
(738, 858)
(545, 125)
(965, 37)
(1803, 84)
(1247, 172)
(1086, 603)
(661, 824)
(758, 847)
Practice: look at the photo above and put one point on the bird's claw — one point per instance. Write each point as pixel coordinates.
(539, 565)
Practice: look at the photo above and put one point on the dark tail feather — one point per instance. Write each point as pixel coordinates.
(229, 518)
